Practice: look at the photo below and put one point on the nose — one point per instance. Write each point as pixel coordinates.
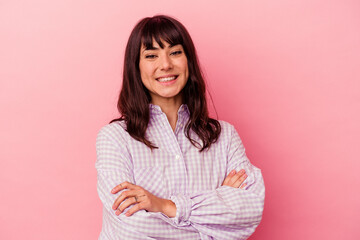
(165, 63)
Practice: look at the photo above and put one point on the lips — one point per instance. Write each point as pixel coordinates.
(167, 78)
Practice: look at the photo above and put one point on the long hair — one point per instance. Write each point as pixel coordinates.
(134, 98)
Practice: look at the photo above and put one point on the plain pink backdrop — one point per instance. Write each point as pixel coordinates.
(285, 73)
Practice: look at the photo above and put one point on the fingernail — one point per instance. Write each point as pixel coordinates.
(117, 212)
(127, 214)
(233, 171)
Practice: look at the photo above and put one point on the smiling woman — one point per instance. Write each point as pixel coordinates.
(164, 72)
(166, 170)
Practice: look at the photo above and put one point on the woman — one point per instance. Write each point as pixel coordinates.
(166, 170)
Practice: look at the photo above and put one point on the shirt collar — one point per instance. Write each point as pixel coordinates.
(156, 110)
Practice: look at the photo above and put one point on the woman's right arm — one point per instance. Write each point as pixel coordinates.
(114, 166)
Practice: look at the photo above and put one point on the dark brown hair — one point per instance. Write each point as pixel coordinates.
(134, 98)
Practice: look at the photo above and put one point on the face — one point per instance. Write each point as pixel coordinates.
(164, 71)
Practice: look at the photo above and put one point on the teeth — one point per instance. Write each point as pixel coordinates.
(167, 79)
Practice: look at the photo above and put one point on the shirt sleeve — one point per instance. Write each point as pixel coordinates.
(226, 212)
(114, 166)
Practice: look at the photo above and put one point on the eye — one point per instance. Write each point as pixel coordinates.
(150, 56)
(176, 52)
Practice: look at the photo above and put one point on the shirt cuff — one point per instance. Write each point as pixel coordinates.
(183, 210)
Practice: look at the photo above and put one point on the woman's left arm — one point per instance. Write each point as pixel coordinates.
(226, 212)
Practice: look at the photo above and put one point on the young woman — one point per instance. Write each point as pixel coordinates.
(166, 170)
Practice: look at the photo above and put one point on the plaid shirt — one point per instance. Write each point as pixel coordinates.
(176, 170)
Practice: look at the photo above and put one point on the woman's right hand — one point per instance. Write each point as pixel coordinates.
(235, 179)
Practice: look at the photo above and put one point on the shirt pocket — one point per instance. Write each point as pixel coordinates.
(152, 179)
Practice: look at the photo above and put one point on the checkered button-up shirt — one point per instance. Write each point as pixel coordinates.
(176, 170)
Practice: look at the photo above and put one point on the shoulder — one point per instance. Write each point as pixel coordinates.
(227, 129)
(115, 131)
(229, 134)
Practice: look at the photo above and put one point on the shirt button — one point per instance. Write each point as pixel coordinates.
(177, 157)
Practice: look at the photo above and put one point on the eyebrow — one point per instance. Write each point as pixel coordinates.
(155, 48)
(151, 48)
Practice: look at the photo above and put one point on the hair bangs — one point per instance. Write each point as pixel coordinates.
(160, 30)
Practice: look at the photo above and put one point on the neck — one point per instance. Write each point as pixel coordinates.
(170, 107)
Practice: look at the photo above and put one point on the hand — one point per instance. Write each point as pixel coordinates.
(235, 179)
(141, 199)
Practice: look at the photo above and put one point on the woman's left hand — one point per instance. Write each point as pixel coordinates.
(141, 199)
(235, 179)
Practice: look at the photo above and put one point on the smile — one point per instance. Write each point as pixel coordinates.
(167, 79)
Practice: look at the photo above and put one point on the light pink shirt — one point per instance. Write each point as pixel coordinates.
(176, 170)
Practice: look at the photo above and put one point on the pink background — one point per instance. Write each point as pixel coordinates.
(285, 73)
